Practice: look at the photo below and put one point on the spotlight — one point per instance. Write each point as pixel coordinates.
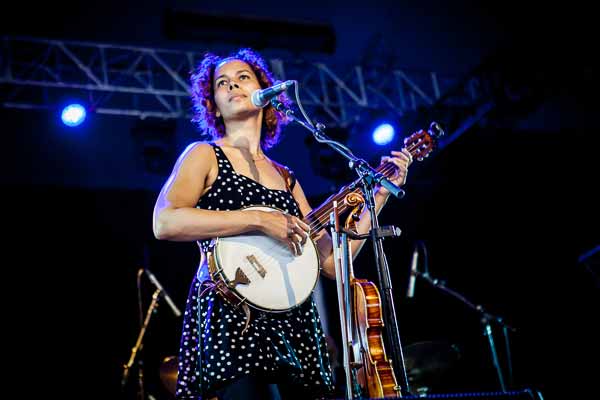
(383, 134)
(73, 115)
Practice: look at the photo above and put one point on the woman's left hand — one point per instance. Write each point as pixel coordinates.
(401, 159)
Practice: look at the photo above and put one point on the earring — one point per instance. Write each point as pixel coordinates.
(218, 114)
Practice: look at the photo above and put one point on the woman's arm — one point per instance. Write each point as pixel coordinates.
(177, 218)
(175, 214)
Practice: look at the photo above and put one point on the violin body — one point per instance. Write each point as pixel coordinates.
(374, 371)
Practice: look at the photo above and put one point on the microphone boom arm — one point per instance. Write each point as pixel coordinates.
(364, 170)
(163, 292)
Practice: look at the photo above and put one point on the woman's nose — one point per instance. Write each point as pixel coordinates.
(233, 85)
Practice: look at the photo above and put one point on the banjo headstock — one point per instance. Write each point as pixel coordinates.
(421, 143)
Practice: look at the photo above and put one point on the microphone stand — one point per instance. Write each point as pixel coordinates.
(369, 178)
(138, 346)
(485, 319)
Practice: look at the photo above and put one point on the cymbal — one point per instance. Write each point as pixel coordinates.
(168, 373)
(426, 362)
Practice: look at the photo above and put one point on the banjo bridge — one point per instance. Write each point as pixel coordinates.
(257, 266)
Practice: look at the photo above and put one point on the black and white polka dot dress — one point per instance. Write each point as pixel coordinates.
(289, 347)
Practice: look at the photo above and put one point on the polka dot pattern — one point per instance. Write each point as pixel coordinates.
(213, 352)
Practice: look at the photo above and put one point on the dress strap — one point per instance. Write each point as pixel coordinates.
(222, 157)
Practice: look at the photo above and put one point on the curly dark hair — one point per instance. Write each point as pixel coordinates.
(204, 107)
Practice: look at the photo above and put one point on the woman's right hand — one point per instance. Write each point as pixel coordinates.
(285, 228)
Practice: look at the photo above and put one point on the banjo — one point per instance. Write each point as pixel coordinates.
(259, 271)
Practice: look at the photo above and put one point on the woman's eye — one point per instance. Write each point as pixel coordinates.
(244, 76)
(220, 83)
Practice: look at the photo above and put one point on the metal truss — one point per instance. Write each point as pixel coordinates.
(148, 82)
(118, 80)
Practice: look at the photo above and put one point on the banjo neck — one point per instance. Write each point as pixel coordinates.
(318, 218)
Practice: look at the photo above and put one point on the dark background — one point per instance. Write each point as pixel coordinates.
(505, 211)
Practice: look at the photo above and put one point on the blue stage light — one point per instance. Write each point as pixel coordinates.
(383, 134)
(73, 115)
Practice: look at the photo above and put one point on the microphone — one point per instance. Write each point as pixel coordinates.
(163, 292)
(413, 273)
(261, 97)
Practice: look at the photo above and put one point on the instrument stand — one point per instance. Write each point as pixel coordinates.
(341, 256)
(485, 319)
(369, 178)
(137, 349)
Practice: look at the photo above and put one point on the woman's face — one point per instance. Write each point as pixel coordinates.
(233, 85)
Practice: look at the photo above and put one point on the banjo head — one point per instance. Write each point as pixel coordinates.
(264, 271)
